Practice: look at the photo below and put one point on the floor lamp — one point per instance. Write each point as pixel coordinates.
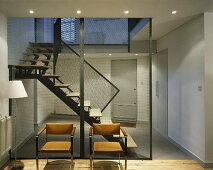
(16, 90)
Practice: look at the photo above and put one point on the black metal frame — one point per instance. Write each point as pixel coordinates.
(150, 84)
(82, 149)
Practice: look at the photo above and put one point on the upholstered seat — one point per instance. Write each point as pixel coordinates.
(65, 129)
(107, 147)
(56, 147)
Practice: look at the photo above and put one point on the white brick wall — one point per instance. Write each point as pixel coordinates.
(45, 102)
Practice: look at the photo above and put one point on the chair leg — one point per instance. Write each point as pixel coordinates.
(125, 162)
(91, 162)
(47, 157)
(37, 166)
(71, 159)
(119, 156)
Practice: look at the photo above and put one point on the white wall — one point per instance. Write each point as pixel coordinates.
(4, 106)
(4, 102)
(186, 119)
(208, 34)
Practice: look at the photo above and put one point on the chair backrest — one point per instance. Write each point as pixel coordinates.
(59, 128)
(106, 129)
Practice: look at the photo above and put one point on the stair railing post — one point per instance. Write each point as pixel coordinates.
(82, 153)
(57, 43)
(150, 84)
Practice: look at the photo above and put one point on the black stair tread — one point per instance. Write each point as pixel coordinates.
(31, 66)
(40, 48)
(62, 85)
(51, 75)
(36, 60)
(73, 94)
(36, 53)
(40, 44)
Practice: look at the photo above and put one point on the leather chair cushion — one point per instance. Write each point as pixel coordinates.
(59, 128)
(56, 147)
(106, 129)
(107, 147)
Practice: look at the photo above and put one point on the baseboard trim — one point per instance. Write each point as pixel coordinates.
(201, 162)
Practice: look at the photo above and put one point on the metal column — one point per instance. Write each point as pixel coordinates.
(82, 152)
(150, 83)
(57, 42)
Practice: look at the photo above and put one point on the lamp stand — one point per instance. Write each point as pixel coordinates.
(16, 164)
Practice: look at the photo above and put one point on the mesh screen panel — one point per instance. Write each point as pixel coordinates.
(96, 88)
(97, 31)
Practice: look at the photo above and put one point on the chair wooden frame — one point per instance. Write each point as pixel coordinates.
(91, 142)
(72, 132)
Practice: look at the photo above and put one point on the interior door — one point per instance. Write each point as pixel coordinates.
(124, 76)
(160, 92)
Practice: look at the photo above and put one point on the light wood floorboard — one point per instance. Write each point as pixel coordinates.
(112, 165)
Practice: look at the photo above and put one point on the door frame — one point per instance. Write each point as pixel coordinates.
(135, 82)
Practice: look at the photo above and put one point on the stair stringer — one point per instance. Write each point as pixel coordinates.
(67, 100)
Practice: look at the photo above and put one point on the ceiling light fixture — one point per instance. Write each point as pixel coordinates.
(78, 11)
(174, 12)
(126, 12)
(31, 11)
(110, 54)
(136, 54)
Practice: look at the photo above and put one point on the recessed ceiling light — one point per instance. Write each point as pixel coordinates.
(174, 12)
(136, 54)
(110, 54)
(78, 11)
(126, 12)
(31, 11)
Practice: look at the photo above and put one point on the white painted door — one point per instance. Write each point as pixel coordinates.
(124, 76)
(160, 92)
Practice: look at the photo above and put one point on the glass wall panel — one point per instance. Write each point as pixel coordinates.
(126, 69)
(116, 80)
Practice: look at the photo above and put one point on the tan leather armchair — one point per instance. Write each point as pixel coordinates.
(56, 146)
(105, 147)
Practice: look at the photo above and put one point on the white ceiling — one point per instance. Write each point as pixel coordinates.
(159, 10)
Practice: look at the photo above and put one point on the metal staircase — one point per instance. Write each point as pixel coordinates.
(38, 65)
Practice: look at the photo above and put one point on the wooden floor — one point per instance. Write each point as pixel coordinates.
(112, 165)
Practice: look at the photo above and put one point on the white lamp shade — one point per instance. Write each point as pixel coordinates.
(16, 90)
